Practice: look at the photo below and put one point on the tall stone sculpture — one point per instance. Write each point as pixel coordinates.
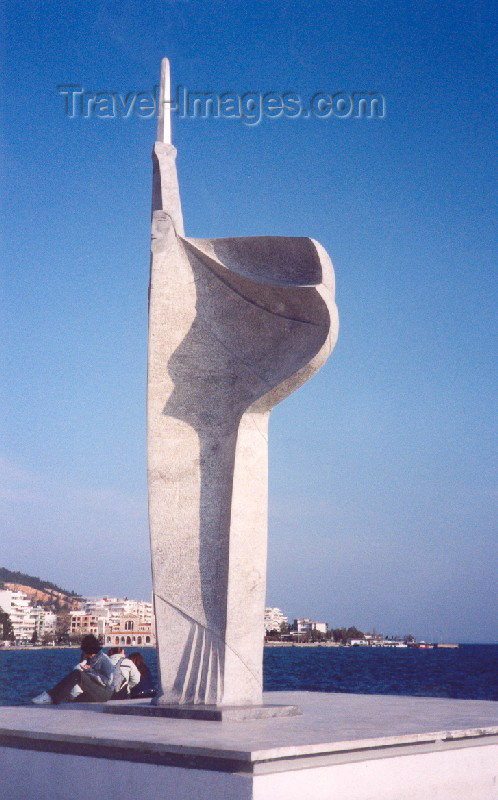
(235, 325)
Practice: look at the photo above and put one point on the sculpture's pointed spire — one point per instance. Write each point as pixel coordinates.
(165, 191)
(164, 117)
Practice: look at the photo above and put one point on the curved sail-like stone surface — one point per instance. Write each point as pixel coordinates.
(235, 325)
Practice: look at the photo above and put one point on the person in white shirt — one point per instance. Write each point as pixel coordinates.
(128, 675)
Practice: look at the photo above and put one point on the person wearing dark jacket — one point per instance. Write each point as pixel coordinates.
(145, 688)
(91, 681)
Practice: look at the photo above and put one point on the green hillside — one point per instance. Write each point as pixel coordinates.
(7, 576)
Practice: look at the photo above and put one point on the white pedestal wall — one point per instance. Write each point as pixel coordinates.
(465, 773)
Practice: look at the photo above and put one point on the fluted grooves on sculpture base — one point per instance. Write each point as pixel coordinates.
(199, 680)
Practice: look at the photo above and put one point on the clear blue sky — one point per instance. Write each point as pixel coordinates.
(382, 467)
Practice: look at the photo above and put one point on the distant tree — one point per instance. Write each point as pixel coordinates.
(62, 628)
(6, 630)
(354, 633)
(284, 628)
(34, 638)
(341, 635)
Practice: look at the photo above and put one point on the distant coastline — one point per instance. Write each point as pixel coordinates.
(5, 647)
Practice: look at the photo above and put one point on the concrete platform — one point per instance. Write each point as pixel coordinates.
(343, 747)
(211, 713)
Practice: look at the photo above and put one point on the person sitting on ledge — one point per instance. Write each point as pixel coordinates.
(146, 686)
(91, 681)
(126, 674)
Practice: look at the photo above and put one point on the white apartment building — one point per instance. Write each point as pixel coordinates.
(274, 618)
(302, 625)
(96, 606)
(49, 622)
(37, 614)
(134, 608)
(305, 625)
(321, 627)
(115, 608)
(19, 609)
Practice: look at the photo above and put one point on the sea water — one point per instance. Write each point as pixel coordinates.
(470, 672)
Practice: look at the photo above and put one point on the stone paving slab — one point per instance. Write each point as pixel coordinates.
(330, 724)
